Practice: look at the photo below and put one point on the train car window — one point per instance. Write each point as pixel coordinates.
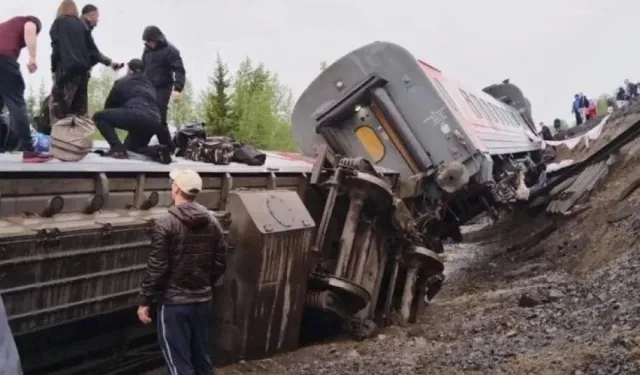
(501, 114)
(488, 110)
(371, 142)
(470, 103)
(495, 111)
(515, 118)
(479, 105)
(508, 118)
(445, 94)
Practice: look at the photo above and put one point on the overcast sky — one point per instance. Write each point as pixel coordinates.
(550, 48)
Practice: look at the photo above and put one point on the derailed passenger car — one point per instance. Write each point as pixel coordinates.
(459, 151)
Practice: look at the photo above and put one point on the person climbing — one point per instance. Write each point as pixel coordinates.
(15, 34)
(164, 67)
(576, 109)
(71, 62)
(131, 105)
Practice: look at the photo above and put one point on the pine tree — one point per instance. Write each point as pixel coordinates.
(31, 102)
(216, 101)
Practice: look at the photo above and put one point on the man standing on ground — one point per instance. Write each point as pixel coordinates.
(164, 68)
(90, 18)
(15, 34)
(186, 259)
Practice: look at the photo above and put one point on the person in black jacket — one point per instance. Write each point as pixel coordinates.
(163, 65)
(90, 17)
(131, 105)
(71, 51)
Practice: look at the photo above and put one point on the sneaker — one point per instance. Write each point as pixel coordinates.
(35, 157)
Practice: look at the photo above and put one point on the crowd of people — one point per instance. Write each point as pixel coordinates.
(187, 254)
(585, 109)
(137, 102)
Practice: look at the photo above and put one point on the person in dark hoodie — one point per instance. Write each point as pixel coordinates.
(576, 108)
(131, 105)
(163, 65)
(186, 259)
(15, 34)
(90, 18)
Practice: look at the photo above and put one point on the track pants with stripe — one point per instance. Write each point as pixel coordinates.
(183, 333)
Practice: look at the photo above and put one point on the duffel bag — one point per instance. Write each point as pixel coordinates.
(209, 151)
(72, 138)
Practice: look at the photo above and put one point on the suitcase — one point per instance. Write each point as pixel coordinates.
(72, 138)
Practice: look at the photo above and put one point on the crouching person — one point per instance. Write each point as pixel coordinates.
(186, 259)
(131, 106)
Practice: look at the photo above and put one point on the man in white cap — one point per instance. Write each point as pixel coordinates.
(186, 258)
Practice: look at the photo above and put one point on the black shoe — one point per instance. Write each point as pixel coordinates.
(118, 153)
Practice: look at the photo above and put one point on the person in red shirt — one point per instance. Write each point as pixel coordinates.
(592, 110)
(15, 34)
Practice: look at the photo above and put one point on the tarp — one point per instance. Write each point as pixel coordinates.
(591, 135)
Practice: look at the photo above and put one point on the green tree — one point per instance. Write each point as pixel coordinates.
(261, 108)
(184, 109)
(32, 104)
(42, 93)
(215, 101)
(603, 104)
(99, 87)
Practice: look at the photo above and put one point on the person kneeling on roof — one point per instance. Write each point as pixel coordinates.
(131, 105)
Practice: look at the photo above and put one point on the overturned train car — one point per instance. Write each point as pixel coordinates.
(310, 241)
(459, 151)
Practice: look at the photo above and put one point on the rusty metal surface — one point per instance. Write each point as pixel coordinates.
(264, 288)
(74, 246)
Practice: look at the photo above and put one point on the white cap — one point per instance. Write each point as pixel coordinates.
(187, 180)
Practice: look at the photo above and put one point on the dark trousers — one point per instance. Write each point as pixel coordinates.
(69, 95)
(183, 334)
(578, 119)
(140, 127)
(12, 95)
(163, 95)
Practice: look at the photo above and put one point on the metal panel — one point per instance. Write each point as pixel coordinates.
(264, 288)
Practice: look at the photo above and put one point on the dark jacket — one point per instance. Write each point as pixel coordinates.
(632, 90)
(71, 47)
(162, 64)
(186, 259)
(134, 91)
(9, 357)
(97, 56)
(12, 35)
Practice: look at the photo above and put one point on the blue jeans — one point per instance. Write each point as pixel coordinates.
(183, 333)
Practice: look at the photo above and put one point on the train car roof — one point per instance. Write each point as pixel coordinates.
(93, 162)
(283, 162)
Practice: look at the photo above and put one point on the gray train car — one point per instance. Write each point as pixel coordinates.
(458, 150)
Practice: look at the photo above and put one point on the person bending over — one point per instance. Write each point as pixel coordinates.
(131, 105)
(163, 65)
(71, 51)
